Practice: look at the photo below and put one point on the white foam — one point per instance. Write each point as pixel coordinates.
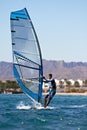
(21, 105)
(34, 105)
(39, 106)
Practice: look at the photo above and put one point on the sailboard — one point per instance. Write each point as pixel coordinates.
(27, 57)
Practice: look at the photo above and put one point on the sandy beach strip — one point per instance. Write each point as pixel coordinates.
(72, 94)
(76, 94)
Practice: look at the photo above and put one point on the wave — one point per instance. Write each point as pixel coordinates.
(37, 106)
(75, 106)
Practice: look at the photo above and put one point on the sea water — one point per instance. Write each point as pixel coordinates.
(17, 112)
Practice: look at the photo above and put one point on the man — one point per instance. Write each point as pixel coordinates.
(52, 91)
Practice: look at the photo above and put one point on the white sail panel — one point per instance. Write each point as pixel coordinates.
(24, 39)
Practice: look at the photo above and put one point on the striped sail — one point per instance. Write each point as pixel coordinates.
(27, 59)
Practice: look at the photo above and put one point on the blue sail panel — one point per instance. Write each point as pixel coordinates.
(27, 58)
(22, 86)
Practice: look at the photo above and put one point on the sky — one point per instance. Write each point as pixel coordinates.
(61, 27)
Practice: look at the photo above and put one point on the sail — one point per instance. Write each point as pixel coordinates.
(27, 59)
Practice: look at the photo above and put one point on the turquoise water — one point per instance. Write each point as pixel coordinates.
(64, 113)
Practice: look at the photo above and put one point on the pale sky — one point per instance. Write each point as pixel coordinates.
(61, 26)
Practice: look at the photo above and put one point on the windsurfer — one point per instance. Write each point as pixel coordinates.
(52, 89)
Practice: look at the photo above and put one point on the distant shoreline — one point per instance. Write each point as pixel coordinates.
(72, 94)
(58, 93)
(76, 94)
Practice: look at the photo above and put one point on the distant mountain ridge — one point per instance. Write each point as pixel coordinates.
(6, 72)
(59, 69)
(65, 70)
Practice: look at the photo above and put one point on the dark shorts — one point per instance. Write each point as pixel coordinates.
(50, 94)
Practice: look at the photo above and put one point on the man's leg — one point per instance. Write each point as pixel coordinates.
(48, 102)
(50, 97)
(45, 101)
